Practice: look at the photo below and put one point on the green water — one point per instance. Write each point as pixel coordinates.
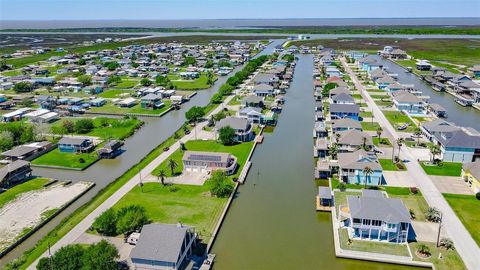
(272, 223)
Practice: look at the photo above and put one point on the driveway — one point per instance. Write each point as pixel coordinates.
(186, 178)
(398, 179)
(124, 249)
(427, 231)
(451, 184)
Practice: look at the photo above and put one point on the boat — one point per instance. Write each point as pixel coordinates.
(409, 70)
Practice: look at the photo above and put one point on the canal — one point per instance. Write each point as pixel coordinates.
(154, 132)
(461, 116)
(272, 223)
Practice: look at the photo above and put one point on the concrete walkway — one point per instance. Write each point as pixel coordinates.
(83, 226)
(464, 243)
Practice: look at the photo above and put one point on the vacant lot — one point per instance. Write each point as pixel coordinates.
(67, 160)
(444, 169)
(466, 207)
(105, 127)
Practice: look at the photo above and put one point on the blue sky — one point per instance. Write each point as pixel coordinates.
(219, 9)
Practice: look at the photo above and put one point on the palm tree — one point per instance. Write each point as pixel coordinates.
(173, 165)
(367, 171)
(162, 175)
(399, 144)
(337, 137)
(417, 133)
(379, 133)
(434, 150)
(333, 151)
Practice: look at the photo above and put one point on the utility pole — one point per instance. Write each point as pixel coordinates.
(49, 257)
(140, 179)
(439, 229)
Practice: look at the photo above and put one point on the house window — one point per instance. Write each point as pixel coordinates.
(391, 226)
(366, 222)
(356, 220)
(376, 223)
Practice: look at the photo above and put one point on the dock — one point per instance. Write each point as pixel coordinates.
(259, 139)
(322, 208)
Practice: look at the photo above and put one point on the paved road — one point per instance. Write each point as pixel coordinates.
(83, 226)
(464, 243)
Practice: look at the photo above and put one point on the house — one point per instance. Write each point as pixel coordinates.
(338, 111)
(351, 168)
(27, 151)
(384, 82)
(15, 115)
(163, 246)
(110, 150)
(475, 70)
(151, 101)
(434, 128)
(325, 196)
(263, 90)
(320, 149)
(253, 101)
(243, 128)
(458, 146)
(15, 172)
(437, 110)
(98, 102)
(423, 65)
(196, 161)
(345, 124)
(266, 78)
(48, 117)
(352, 140)
(408, 102)
(471, 175)
(332, 71)
(127, 103)
(337, 91)
(254, 115)
(398, 54)
(374, 217)
(320, 130)
(342, 98)
(75, 145)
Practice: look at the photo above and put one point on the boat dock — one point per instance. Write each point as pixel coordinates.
(322, 208)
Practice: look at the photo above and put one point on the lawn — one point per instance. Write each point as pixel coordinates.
(190, 205)
(466, 207)
(12, 193)
(116, 128)
(449, 260)
(200, 83)
(372, 126)
(414, 202)
(127, 83)
(66, 160)
(240, 151)
(398, 119)
(371, 246)
(137, 109)
(389, 165)
(235, 101)
(340, 198)
(383, 103)
(366, 114)
(381, 141)
(114, 93)
(377, 96)
(443, 169)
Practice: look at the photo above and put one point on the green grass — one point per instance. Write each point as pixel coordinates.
(117, 128)
(381, 141)
(114, 93)
(127, 83)
(240, 151)
(357, 96)
(372, 126)
(389, 165)
(398, 119)
(379, 96)
(66, 160)
(383, 103)
(466, 207)
(414, 202)
(371, 246)
(14, 192)
(196, 84)
(15, 72)
(449, 260)
(190, 205)
(366, 114)
(443, 169)
(137, 109)
(235, 101)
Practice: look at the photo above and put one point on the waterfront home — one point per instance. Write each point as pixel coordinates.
(320, 149)
(398, 54)
(197, 161)
(368, 63)
(151, 101)
(263, 90)
(458, 146)
(253, 114)
(332, 71)
(325, 196)
(352, 140)
(471, 175)
(423, 65)
(342, 98)
(374, 217)
(337, 91)
(253, 101)
(127, 102)
(437, 110)
(265, 78)
(351, 168)
(110, 150)
(475, 71)
(163, 246)
(27, 151)
(318, 106)
(408, 102)
(98, 102)
(320, 130)
(338, 111)
(345, 124)
(384, 82)
(75, 145)
(15, 115)
(14, 172)
(377, 74)
(355, 55)
(434, 128)
(243, 128)
(319, 116)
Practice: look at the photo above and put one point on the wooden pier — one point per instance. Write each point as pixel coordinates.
(322, 208)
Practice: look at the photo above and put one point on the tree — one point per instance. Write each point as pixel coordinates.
(162, 80)
(83, 126)
(85, 79)
(114, 80)
(68, 126)
(6, 140)
(327, 88)
(100, 256)
(423, 249)
(399, 144)
(172, 164)
(379, 133)
(23, 87)
(131, 218)
(219, 184)
(367, 171)
(432, 214)
(145, 82)
(226, 89)
(111, 65)
(82, 62)
(106, 223)
(417, 133)
(216, 99)
(226, 135)
(194, 114)
(162, 175)
(333, 150)
(190, 61)
(68, 257)
(434, 150)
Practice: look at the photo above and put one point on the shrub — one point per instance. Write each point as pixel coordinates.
(447, 243)
(226, 135)
(433, 215)
(220, 185)
(83, 126)
(413, 190)
(22, 87)
(131, 218)
(81, 160)
(423, 249)
(342, 187)
(477, 195)
(106, 223)
(412, 214)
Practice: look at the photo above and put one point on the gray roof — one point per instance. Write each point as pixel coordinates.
(252, 99)
(358, 160)
(12, 167)
(151, 97)
(437, 107)
(338, 90)
(346, 123)
(344, 108)
(439, 125)
(206, 156)
(324, 192)
(473, 168)
(234, 122)
(354, 137)
(390, 210)
(72, 140)
(19, 151)
(265, 77)
(405, 97)
(160, 242)
(460, 139)
(343, 97)
(263, 87)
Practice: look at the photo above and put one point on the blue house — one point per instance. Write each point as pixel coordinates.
(351, 168)
(385, 82)
(408, 102)
(476, 71)
(339, 111)
(98, 102)
(75, 145)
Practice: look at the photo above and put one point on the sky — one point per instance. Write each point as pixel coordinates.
(232, 9)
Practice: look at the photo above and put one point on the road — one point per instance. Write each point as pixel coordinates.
(464, 243)
(85, 224)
